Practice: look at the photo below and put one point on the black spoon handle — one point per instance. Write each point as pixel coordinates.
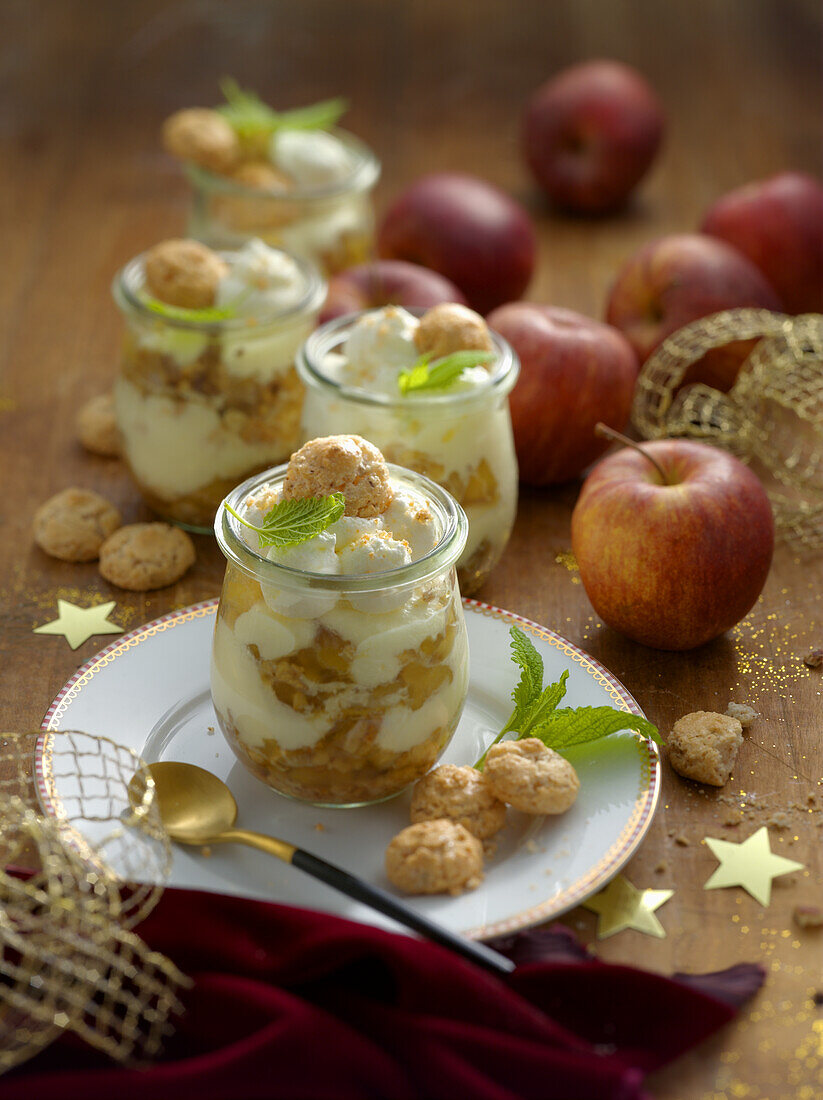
(378, 899)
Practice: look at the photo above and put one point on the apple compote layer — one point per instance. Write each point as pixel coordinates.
(346, 706)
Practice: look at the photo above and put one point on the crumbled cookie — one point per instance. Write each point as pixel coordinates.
(97, 426)
(262, 176)
(435, 857)
(808, 916)
(449, 327)
(203, 136)
(779, 820)
(745, 714)
(814, 659)
(345, 464)
(531, 777)
(460, 794)
(183, 273)
(249, 213)
(146, 555)
(704, 746)
(74, 524)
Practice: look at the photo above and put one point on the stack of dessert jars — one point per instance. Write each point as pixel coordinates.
(340, 659)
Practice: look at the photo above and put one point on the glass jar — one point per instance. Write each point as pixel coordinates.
(340, 690)
(200, 405)
(460, 438)
(331, 225)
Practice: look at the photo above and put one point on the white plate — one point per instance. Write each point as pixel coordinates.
(150, 692)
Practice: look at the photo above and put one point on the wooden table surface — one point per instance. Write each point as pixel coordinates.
(84, 186)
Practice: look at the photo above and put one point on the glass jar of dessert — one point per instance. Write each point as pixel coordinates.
(207, 392)
(291, 179)
(432, 393)
(340, 658)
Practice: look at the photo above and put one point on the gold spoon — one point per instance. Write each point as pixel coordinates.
(198, 808)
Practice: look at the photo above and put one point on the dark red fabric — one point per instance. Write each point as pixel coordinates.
(297, 1005)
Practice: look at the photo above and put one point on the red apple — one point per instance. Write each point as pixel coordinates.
(674, 280)
(467, 230)
(672, 561)
(574, 372)
(778, 224)
(591, 134)
(384, 283)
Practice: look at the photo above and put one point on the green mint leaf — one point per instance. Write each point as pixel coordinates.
(291, 522)
(180, 313)
(245, 112)
(319, 116)
(530, 685)
(535, 711)
(442, 373)
(249, 116)
(542, 707)
(561, 729)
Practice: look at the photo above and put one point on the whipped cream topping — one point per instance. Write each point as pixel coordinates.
(353, 546)
(261, 282)
(379, 345)
(313, 158)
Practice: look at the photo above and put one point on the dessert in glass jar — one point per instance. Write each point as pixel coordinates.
(432, 393)
(340, 657)
(207, 392)
(288, 178)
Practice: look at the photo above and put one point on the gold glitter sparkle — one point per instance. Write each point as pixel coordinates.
(569, 562)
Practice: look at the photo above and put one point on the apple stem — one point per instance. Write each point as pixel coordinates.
(606, 432)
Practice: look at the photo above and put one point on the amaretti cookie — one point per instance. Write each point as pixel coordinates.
(704, 746)
(142, 556)
(73, 524)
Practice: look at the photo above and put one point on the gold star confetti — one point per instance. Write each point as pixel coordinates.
(622, 906)
(750, 864)
(78, 624)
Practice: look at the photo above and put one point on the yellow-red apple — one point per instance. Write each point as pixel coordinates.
(677, 279)
(673, 554)
(573, 372)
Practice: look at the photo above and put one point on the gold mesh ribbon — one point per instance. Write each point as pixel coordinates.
(771, 418)
(69, 958)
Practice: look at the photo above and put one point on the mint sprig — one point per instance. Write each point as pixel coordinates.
(291, 522)
(441, 373)
(535, 711)
(180, 313)
(250, 117)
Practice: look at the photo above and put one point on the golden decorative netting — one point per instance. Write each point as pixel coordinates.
(70, 895)
(771, 418)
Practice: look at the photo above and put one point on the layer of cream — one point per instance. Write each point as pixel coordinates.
(378, 639)
(176, 447)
